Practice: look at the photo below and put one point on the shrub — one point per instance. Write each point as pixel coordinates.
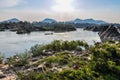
(1, 58)
(19, 60)
(37, 50)
(104, 62)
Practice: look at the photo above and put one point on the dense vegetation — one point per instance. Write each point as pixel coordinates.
(69, 60)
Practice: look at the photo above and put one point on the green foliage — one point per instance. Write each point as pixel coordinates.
(1, 58)
(60, 58)
(58, 45)
(104, 62)
(37, 50)
(19, 60)
(33, 76)
(105, 59)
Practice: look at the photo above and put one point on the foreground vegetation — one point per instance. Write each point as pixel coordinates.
(68, 60)
(1, 58)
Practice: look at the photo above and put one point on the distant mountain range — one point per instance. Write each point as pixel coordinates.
(90, 21)
(11, 20)
(48, 20)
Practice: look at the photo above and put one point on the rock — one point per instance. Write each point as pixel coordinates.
(2, 76)
(39, 69)
(40, 65)
(48, 53)
(34, 59)
(35, 69)
(1, 72)
(48, 65)
(59, 69)
(2, 30)
(112, 32)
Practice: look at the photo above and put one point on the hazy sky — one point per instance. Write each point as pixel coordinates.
(37, 10)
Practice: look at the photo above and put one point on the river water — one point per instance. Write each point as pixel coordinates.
(12, 43)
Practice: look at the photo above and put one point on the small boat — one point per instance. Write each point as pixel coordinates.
(49, 33)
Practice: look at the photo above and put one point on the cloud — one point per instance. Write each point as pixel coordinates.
(9, 3)
(63, 6)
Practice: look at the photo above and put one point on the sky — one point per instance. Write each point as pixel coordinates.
(61, 10)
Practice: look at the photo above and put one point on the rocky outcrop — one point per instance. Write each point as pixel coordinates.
(111, 32)
(6, 73)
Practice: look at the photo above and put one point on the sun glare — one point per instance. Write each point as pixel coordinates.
(63, 5)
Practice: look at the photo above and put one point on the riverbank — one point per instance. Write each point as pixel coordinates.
(68, 60)
(6, 73)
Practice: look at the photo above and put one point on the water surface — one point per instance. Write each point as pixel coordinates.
(12, 43)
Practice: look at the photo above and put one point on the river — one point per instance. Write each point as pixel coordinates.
(12, 43)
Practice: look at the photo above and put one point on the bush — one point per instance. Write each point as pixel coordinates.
(37, 50)
(19, 60)
(105, 59)
(58, 46)
(104, 62)
(1, 58)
